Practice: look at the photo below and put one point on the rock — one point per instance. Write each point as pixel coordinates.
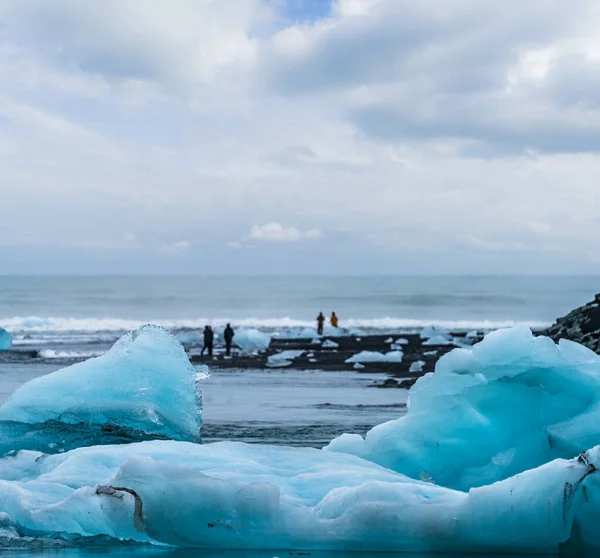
(581, 325)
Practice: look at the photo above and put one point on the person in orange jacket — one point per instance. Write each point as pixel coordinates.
(333, 320)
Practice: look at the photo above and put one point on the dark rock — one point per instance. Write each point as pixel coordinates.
(581, 325)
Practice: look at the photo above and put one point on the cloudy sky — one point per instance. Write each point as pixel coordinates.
(299, 136)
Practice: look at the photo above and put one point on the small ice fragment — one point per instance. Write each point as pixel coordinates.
(283, 359)
(374, 356)
(6, 340)
(417, 366)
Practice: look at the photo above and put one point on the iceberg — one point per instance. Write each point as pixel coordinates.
(506, 405)
(249, 340)
(144, 386)
(6, 340)
(488, 459)
(243, 496)
(374, 356)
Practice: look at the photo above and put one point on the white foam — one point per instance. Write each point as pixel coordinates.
(51, 353)
(27, 324)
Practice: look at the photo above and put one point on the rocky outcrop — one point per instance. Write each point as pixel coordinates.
(581, 325)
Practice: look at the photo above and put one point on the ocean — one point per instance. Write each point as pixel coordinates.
(65, 319)
(100, 305)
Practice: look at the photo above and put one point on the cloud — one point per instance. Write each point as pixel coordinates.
(396, 126)
(277, 233)
(180, 40)
(494, 78)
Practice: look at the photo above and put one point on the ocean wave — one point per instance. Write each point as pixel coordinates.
(32, 324)
(52, 354)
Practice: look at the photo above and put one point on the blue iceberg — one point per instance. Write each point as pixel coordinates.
(508, 404)
(6, 340)
(499, 452)
(234, 495)
(143, 387)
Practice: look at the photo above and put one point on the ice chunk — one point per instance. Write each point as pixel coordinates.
(389, 340)
(438, 340)
(508, 404)
(329, 344)
(358, 366)
(144, 383)
(252, 340)
(283, 359)
(6, 340)
(401, 341)
(189, 338)
(472, 334)
(417, 366)
(374, 356)
(434, 331)
(232, 495)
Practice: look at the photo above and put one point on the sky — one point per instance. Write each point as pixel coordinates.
(299, 136)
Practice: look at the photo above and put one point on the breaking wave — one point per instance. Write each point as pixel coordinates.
(30, 324)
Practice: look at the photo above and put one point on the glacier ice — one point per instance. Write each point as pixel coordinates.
(417, 366)
(434, 331)
(6, 340)
(374, 356)
(493, 456)
(508, 404)
(144, 385)
(234, 495)
(250, 340)
(283, 359)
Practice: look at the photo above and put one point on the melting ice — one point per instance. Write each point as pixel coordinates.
(496, 454)
(142, 388)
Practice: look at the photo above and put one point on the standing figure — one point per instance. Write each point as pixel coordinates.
(333, 320)
(320, 322)
(209, 336)
(228, 335)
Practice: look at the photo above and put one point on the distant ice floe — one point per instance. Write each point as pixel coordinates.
(251, 340)
(417, 366)
(329, 344)
(6, 340)
(374, 356)
(283, 359)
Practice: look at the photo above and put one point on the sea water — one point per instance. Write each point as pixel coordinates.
(95, 304)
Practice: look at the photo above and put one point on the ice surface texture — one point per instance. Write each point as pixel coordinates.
(144, 383)
(508, 409)
(6, 340)
(249, 340)
(506, 405)
(234, 495)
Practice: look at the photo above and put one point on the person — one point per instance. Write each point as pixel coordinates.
(320, 322)
(209, 336)
(333, 320)
(228, 335)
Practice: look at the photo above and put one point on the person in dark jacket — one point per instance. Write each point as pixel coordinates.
(209, 337)
(320, 322)
(228, 334)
